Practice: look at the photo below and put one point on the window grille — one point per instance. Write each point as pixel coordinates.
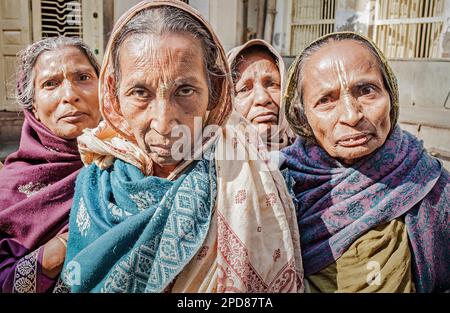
(61, 17)
(408, 28)
(71, 18)
(310, 19)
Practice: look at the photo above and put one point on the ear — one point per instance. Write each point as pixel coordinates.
(35, 112)
(112, 88)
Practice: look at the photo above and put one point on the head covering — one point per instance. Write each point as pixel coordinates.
(218, 226)
(112, 138)
(37, 185)
(284, 134)
(292, 96)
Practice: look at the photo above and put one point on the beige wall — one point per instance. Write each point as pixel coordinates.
(224, 15)
(121, 6)
(425, 103)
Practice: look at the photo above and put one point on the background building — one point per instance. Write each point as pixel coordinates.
(413, 34)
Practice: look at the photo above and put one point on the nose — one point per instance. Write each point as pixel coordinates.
(164, 118)
(69, 93)
(351, 111)
(262, 96)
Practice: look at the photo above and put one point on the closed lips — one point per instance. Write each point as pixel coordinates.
(354, 140)
(162, 149)
(265, 117)
(72, 115)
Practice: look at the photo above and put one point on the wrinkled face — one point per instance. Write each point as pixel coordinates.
(258, 90)
(345, 100)
(163, 85)
(66, 92)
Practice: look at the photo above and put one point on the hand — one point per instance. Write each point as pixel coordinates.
(53, 256)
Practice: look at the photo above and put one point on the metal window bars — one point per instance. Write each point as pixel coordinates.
(61, 17)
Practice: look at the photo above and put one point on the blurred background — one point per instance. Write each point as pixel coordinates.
(413, 34)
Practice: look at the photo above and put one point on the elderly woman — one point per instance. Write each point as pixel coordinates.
(58, 88)
(372, 204)
(258, 76)
(147, 219)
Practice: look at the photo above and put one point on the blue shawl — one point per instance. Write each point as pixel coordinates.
(131, 233)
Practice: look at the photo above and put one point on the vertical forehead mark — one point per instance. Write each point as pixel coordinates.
(342, 75)
(163, 88)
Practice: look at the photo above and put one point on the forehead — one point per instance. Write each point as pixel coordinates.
(255, 58)
(65, 58)
(180, 51)
(347, 56)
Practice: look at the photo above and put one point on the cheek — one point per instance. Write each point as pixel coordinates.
(323, 126)
(195, 106)
(378, 114)
(92, 93)
(203, 107)
(242, 105)
(133, 116)
(275, 95)
(125, 109)
(91, 100)
(321, 123)
(46, 104)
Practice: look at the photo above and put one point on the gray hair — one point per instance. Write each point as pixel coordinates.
(28, 57)
(166, 19)
(295, 111)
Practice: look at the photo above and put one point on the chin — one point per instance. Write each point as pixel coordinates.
(352, 155)
(163, 161)
(72, 134)
(264, 127)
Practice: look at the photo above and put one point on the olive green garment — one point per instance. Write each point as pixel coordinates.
(384, 250)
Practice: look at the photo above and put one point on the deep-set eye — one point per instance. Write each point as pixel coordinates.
(84, 77)
(243, 89)
(366, 90)
(272, 84)
(140, 93)
(49, 84)
(185, 91)
(324, 100)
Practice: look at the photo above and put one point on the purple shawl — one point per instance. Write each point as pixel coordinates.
(336, 204)
(36, 190)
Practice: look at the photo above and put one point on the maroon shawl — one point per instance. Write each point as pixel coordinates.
(36, 190)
